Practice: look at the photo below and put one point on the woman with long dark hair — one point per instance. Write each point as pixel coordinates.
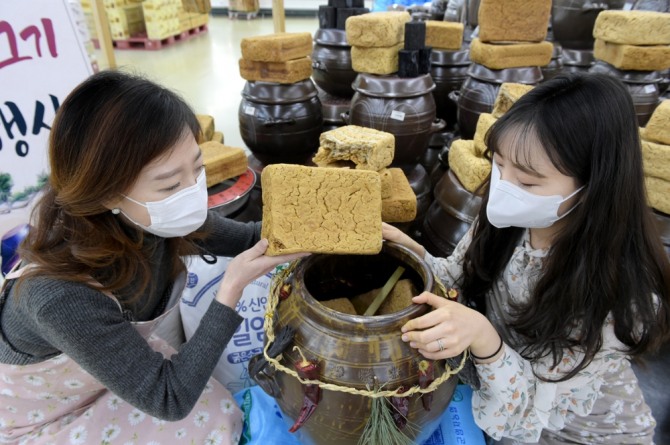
(563, 276)
(102, 267)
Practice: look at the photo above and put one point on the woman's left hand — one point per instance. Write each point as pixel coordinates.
(448, 330)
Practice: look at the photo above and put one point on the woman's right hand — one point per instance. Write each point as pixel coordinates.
(395, 235)
(245, 268)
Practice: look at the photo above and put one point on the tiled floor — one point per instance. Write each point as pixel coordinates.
(204, 69)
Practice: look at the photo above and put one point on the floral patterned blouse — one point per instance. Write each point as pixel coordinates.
(601, 404)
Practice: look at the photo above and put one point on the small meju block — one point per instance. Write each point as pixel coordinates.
(327, 17)
(415, 35)
(408, 63)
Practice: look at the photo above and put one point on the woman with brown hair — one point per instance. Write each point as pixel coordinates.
(102, 266)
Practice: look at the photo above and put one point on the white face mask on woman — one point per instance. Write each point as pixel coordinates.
(178, 214)
(512, 206)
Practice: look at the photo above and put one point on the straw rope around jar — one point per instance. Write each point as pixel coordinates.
(273, 300)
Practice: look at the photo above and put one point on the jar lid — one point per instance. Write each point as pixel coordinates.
(577, 57)
(393, 86)
(331, 37)
(279, 93)
(450, 58)
(528, 75)
(602, 67)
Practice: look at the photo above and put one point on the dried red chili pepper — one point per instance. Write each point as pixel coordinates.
(426, 377)
(284, 291)
(401, 411)
(311, 393)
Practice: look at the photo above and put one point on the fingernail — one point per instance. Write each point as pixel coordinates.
(405, 338)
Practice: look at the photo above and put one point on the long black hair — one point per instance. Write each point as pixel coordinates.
(607, 256)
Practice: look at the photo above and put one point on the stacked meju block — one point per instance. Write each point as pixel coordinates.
(338, 206)
(656, 157)
(512, 33)
(376, 39)
(334, 15)
(466, 157)
(633, 40)
(369, 149)
(161, 18)
(279, 58)
(221, 161)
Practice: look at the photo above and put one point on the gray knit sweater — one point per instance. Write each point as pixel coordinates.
(49, 317)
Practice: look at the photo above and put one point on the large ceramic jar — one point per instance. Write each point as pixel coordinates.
(479, 91)
(577, 60)
(572, 20)
(352, 351)
(663, 224)
(449, 70)
(555, 67)
(402, 106)
(642, 85)
(280, 122)
(333, 107)
(449, 216)
(331, 62)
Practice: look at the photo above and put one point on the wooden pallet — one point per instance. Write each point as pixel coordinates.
(142, 42)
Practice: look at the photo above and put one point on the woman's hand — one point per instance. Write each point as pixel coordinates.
(394, 234)
(456, 326)
(245, 268)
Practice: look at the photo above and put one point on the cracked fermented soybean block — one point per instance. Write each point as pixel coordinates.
(218, 137)
(366, 148)
(375, 60)
(398, 299)
(377, 29)
(658, 127)
(340, 305)
(387, 183)
(656, 160)
(279, 47)
(633, 27)
(321, 210)
(657, 193)
(513, 20)
(484, 123)
(206, 127)
(222, 162)
(444, 35)
(633, 57)
(401, 205)
(291, 71)
(508, 94)
(501, 56)
(470, 169)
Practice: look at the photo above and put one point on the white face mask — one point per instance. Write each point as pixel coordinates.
(178, 214)
(512, 206)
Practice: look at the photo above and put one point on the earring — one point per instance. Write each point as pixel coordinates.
(116, 211)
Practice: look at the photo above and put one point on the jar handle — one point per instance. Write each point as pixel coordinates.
(438, 125)
(454, 96)
(345, 117)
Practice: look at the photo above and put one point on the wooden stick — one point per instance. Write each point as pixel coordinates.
(384, 292)
(278, 16)
(104, 35)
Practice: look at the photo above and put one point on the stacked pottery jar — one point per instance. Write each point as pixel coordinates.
(331, 59)
(572, 25)
(393, 92)
(450, 61)
(656, 159)
(280, 113)
(457, 193)
(634, 46)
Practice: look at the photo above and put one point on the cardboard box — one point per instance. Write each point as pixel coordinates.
(244, 5)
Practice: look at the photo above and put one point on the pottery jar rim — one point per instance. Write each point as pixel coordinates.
(393, 86)
(527, 75)
(279, 93)
(331, 37)
(460, 57)
(375, 322)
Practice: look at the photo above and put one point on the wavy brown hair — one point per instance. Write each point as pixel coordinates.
(106, 131)
(608, 257)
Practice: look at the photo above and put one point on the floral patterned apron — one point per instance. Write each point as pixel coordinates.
(57, 402)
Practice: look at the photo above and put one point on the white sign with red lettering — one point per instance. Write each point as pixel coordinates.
(42, 58)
